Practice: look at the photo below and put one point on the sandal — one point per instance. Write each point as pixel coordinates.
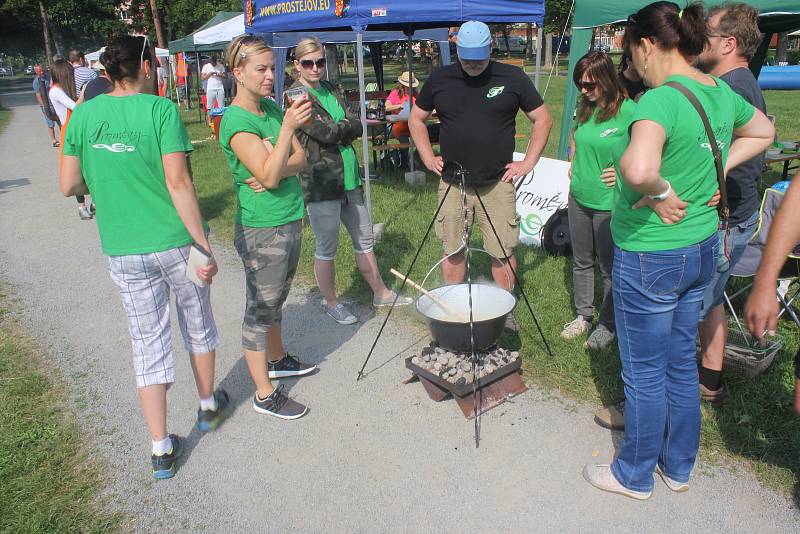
(56, 144)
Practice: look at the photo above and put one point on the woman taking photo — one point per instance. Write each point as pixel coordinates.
(666, 244)
(332, 183)
(603, 117)
(62, 95)
(264, 156)
(129, 150)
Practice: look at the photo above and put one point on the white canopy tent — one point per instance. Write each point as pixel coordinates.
(224, 31)
(95, 56)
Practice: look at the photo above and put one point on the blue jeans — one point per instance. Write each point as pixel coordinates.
(657, 300)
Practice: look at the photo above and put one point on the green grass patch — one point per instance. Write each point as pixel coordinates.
(756, 424)
(47, 484)
(5, 117)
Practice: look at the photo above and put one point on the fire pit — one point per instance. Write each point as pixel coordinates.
(443, 373)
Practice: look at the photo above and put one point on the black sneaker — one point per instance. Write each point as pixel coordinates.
(164, 465)
(289, 366)
(209, 420)
(279, 405)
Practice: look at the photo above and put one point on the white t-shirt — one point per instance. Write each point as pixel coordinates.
(213, 81)
(61, 102)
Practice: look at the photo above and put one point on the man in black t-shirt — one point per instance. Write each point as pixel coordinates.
(477, 101)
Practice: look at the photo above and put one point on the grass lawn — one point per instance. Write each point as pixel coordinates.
(47, 483)
(756, 423)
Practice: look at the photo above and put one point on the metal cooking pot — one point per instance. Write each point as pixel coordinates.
(490, 306)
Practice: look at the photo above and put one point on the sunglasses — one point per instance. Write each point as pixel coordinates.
(589, 86)
(309, 63)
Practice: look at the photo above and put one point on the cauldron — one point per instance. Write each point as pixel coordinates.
(490, 306)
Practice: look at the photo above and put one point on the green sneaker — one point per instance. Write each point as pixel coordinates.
(209, 420)
(164, 465)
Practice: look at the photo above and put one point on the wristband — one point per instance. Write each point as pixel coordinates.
(661, 196)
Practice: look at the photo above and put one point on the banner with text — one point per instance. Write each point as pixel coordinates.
(543, 191)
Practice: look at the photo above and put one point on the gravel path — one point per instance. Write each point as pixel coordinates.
(372, 456)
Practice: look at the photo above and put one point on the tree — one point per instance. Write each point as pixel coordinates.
(556, 13)
(157, 24)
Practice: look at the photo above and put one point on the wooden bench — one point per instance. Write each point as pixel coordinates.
(517, 61)
(353, 96)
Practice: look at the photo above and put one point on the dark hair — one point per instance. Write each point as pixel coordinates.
(122, 58)
(739, 21)
(668, 27)
(75, 55)
(63, 73)
(610, 93)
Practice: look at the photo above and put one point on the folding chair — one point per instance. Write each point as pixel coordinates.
(747, 266)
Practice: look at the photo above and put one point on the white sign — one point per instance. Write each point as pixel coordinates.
(543, 191)
(379, 12)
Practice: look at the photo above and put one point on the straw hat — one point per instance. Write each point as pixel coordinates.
(403, 79)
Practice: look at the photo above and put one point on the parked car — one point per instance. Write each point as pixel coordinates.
(516, 45)
(5, 71)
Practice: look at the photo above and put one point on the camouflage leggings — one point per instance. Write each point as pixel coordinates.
(270, 257)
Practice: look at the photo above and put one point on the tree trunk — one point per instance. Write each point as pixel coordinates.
(162, 43)
(529, 41)
(57, 39)
(332, 61)
(505, 38)
(344, 50)
(780, 51)
(548, 50)
(46, 31)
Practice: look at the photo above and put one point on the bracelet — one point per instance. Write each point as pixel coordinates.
(661, 196)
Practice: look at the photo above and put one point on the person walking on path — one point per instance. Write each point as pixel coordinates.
(477, 101)
(733, 37)
(264, 156)
(332, 184)
(761, 310)
(41, 88)
(83, 74)
(664, 227)
(603, 117)
(130, 150)
(63, 97)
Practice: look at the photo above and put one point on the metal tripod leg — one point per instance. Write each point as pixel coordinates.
(514, 272)
(403, 284)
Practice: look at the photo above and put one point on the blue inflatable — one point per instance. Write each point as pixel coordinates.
(781, 78)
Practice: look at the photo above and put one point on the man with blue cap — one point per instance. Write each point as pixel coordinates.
(477, 101)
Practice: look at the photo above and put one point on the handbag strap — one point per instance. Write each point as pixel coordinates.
(724, 209)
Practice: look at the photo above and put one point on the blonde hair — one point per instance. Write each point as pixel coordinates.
(307, 45)
(243, 48)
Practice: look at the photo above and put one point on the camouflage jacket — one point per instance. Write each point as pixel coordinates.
(323, 177)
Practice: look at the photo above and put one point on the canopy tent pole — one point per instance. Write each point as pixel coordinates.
(538, 74)
(577, 48)
(410, 55)
(280, 74)
(363, 106)
(444, 52)
(199, 85)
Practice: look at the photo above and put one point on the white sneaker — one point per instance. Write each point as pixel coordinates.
(84, 213)
(601, 477)
(674, 485)
(576, 328)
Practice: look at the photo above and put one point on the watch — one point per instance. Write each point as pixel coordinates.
(661, 196)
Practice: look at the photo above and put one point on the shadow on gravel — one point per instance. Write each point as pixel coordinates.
(9, 185)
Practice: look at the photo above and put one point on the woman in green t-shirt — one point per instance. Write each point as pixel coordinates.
(332, 183)
(602, 121)
(130, 151)
(264, 156)
(664, 227)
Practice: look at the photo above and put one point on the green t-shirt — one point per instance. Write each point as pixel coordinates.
(594, 143)
(119, 142)
(686, 163)
(273, 207)
(352, 178)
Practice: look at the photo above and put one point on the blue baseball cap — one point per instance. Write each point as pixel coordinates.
(474, 41)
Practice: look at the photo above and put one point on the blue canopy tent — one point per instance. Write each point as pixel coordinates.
(271, 16)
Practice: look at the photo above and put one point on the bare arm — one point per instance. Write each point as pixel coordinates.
(181, 191)
(70, 177)
(270, 167)
(542, 122)
(422, 141)
(750, 140)
(761, 311)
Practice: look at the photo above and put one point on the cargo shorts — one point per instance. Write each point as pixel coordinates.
(270, 256)
(500, 200)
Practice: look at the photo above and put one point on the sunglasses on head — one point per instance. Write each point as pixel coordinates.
(245, 41)
(309, 63)
(589, 86)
